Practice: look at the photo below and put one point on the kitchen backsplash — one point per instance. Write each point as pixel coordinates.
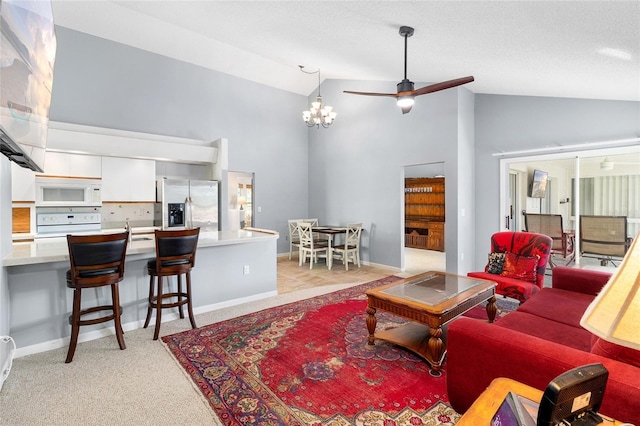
(115, 215)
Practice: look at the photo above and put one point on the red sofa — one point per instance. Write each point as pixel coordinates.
(539, 341)
(523, 245)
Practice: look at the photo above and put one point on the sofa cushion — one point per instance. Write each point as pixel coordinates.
(496, 261)
(579, 280)
(510, 287)
(520, 267)
(563, 306)
(547, 329)
(617, 352)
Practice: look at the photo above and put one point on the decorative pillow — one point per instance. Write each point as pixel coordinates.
(496, 260)
(620, 353)
(520, 267)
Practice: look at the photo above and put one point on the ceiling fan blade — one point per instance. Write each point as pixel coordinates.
(443, 85)
(393, 95)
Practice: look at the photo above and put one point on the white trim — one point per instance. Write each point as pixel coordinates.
(571, 148)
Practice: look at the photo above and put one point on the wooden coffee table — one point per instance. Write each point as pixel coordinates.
(429, 300)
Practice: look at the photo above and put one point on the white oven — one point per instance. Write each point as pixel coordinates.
(68, 192)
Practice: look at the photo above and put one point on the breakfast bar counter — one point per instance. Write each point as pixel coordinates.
(231, 267)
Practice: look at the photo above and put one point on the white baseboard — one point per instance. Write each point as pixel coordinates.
(110, 331)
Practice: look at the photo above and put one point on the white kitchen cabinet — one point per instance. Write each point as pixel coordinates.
(128, 179)
(72, 165)
(23, 184)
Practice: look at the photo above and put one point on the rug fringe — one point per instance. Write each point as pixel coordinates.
(194, 386)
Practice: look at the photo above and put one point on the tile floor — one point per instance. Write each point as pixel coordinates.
(292, 277)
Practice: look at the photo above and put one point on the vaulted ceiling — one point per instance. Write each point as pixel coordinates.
(578, 49)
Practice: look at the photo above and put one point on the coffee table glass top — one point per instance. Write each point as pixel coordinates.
(433, 289)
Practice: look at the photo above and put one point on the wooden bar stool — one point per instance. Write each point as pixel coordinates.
(96, 261)
(175, 255)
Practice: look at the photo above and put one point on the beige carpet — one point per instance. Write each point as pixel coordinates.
(141, 385)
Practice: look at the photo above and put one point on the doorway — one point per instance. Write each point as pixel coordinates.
(603, 182)
(237, 200)
(413, 259)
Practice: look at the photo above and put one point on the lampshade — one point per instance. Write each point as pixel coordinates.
(614, 315)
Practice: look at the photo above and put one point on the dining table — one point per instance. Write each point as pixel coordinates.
(330, 231)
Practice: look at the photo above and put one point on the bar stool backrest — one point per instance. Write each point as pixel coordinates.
(97, 259)
(176, 251)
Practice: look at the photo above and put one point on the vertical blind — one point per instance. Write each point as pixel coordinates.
(612, 196)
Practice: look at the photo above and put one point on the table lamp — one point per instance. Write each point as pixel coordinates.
(614, 315)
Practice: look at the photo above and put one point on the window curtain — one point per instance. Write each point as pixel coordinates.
(619, 196)
(586, 197)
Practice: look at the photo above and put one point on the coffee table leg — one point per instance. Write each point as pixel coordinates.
(436, 350)
(492, 309)
(371, 327)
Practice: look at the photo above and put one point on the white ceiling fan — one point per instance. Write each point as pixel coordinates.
(607, 164)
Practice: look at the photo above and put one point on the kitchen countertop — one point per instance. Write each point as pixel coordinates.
(56, 250)
(135, 230)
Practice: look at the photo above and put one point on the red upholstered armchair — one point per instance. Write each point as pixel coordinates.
(519, 271)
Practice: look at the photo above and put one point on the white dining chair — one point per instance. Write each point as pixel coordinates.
(294, 238)
(350, 250)
(318, 239)
(308, 246)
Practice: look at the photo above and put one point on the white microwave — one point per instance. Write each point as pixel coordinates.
(68, 192)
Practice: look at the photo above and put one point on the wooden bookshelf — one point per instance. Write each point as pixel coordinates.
(424, 209)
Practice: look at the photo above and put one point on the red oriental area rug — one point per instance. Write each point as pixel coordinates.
(305, 363)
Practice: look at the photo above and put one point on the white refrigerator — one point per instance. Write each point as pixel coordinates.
(173, 210)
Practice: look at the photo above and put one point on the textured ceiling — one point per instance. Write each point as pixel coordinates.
(535, 48)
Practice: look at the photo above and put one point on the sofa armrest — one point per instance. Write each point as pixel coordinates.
(579, 280)
(478, 352)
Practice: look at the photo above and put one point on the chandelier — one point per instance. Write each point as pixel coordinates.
(319, 113)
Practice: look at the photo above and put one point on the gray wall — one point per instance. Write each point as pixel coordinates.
(511, 123)
(105, 84)
(356, 167)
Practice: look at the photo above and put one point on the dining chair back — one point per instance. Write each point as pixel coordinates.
(308, 246)
(96, 261)
(350, 250)
(294, 237)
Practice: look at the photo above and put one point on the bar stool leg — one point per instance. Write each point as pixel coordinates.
(150, 306)
(75, 325)
(156, 333)
(180, 296)
(115, 297)
(189, 306)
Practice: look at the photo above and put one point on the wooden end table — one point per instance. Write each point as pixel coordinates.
(429, 300)
(487, 404)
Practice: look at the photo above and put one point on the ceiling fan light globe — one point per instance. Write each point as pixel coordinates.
(405, 101)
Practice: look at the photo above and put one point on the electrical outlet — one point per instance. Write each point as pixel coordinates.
(245, 270)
